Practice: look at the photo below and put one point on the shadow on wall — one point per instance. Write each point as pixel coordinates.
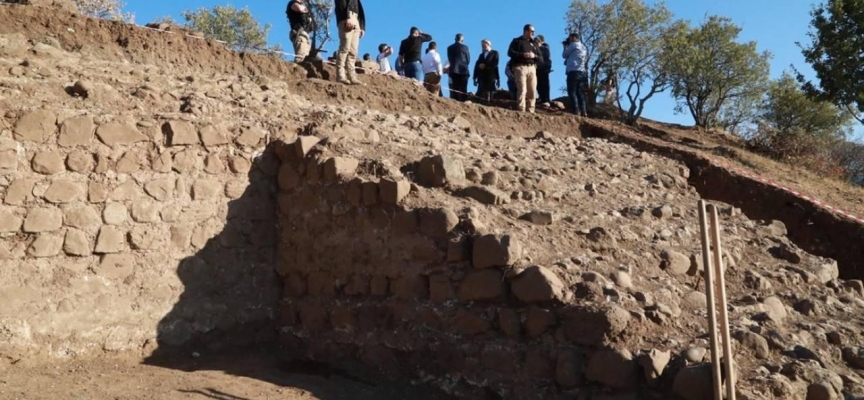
(225, 319)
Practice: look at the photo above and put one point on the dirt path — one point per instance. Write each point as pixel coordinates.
(253, 375)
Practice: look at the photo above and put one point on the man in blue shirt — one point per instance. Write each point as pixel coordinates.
(575, 58)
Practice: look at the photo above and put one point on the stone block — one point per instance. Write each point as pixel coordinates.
(163, 163)
(9, 222)
(249, 137)
(116, 266)
(340, 168)
(358, 285)
(304, 144)
(498, 359)
(181, 237)
(235, 189)
(116, 134)
(441, 288)
(97, 192)
(538, 321)
(8, 161)
(144, 211)
(288, 178)
(76, 131)
(468, 324)
(343, 317)
(114, 213)
(204, 189)
(539, 364)
(63, 191)
(495, 251)
(46, 245)
(412, 287)
(615, 368)
(393, 191)
(459, 250)
(102, 164)
(80, 161)
(536, 285)
(47, 163)
(126, 191)
(239, 165)
(436, 171)
(589, 325)
(129, 163)
(485, 285)
(321, 283)
(405, 222)
(77, 243)
(110, 240)
(509, 323)
(570, 369)
(35, 126)
(82, 217)
(19, 191)
(179, 133)
(43, 220)
(313, 315)
(212, 136)
(161, 189)
(144, 237)
(186, 161)
(486, 195)
(437, 223)
(379, 286)
(370, 193)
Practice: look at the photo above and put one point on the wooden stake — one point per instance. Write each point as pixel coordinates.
(709, 294)
(721, 298)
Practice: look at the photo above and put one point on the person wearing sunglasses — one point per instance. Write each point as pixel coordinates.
(524, 57)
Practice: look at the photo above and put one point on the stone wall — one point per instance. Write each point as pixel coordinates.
(120, 234)
(414, 292)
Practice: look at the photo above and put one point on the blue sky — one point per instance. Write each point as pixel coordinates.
(775, 25)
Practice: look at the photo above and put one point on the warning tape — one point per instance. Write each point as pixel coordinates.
(822, 204)
(719, 162)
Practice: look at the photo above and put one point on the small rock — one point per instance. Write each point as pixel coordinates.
(786, 252)
(82, 88)
(538, 217)
(485, 195)
(653, 364)
(662, 212)
(622, 279)
(537, 284)
(490, 178)
(674, 262)
(612, 367)
(694, 382)
(774, 309)
(495, 251)
(755, 343)
(695, 354)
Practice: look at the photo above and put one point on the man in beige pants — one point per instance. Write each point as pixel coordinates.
(524, 57)
(352, 26)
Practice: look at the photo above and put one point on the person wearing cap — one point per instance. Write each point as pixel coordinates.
(383, 58)
(351, 22)
(524, 57)
(486, 74)
(410, 53)
(459, 57)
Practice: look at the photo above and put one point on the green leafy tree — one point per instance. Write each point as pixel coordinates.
(105, 9)
(787, 108)
(235, 26)
(835, 53)
(710, 70)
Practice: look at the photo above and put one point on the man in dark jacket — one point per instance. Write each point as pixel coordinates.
(524, 56)
(459, 58)
(486, 76)
(300, 19)
(410, 52)
(543, 70)
(352, 26)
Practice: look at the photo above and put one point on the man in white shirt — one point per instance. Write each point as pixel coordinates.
(384, 53)
(432, 69)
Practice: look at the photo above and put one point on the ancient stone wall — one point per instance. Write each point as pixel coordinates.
(416, 293)
(121, 234)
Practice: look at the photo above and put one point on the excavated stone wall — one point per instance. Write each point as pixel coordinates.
(120, 233)
(412, 293)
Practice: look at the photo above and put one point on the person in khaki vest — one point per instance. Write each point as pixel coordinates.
(352, 26)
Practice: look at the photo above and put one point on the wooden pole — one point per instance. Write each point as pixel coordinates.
(721, 297)
(709, 292)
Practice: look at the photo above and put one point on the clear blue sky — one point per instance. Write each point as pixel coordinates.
(774, 25)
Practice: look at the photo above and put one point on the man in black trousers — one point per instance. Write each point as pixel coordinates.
(486, 75)
(459, 58)
(543, 71)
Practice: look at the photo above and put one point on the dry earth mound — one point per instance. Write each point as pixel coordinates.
(160, 192)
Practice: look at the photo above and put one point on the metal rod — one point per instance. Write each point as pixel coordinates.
(721, 298)
(709, 294)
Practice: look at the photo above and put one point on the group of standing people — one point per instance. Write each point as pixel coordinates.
(527, 70)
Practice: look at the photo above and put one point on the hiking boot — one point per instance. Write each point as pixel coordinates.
(356, 82)
(343, 81)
